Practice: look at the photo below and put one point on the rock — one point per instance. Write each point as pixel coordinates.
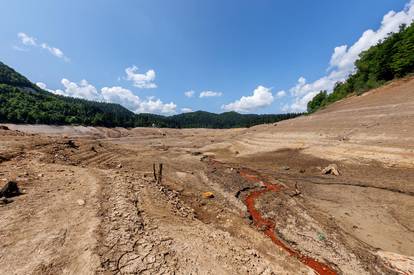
(119, 166)
(331, 169)
(40, 175)
(9, 190)
(5, 201)
(285, 168)
(252, 252)
(207, 195)
(2, 127)
(80, 202)
(70, 143)
(321, 236)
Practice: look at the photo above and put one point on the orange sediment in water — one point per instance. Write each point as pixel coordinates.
(269, 225)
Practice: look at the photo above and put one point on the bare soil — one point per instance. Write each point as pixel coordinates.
(90, 204)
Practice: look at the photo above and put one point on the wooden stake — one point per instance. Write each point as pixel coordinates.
(155, 172)
(159, 179)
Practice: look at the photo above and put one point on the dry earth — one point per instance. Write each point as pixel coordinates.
(90, 204)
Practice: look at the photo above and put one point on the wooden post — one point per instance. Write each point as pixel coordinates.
(155, 172)
(159, 179)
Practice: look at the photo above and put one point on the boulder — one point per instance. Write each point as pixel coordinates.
(10, 190)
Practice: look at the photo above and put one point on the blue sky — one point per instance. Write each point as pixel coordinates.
(247, 56)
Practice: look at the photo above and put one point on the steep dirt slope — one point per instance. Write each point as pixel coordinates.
(378, 126)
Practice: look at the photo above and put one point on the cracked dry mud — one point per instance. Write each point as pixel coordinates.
(90, 204)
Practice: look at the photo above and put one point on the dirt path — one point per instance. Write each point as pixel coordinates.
(50, 228)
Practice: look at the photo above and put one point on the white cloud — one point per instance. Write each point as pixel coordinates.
(280, 94)
(27, 40)
(210, 94)
(153, 105)
(186, 110)
(142, 81)
(262, 97)
(189, 93)
(73, 90)
(115, 94)
(285, 108)
(342, 60)
(80, 90)
(54, 51)
(121, 96)
(41, 85)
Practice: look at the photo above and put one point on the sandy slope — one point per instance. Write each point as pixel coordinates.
(360, 222)
(375, 126)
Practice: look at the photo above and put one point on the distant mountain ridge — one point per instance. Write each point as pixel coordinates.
(21, 101)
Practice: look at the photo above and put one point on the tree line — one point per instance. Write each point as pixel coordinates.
(24, 102)
(390, 59)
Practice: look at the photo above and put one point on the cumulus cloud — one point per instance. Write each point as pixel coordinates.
(121, 96)
(153, 105)
(261, 97)
(186, 110)
(142, 81)
(189, 93)
(115, 94)
(28, 40)
(210, 94)
(342, 60)
(80, 90)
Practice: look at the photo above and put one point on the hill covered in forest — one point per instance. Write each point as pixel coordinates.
(21, 101)
(390, 59)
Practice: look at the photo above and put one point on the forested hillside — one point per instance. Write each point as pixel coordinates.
(202, 119)
(390, 59)
(23, 102)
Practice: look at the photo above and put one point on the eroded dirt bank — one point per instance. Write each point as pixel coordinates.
(90, 204)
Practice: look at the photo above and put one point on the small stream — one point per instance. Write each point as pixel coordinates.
(269, 226)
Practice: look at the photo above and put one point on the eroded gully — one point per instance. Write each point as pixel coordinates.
(269, 226)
